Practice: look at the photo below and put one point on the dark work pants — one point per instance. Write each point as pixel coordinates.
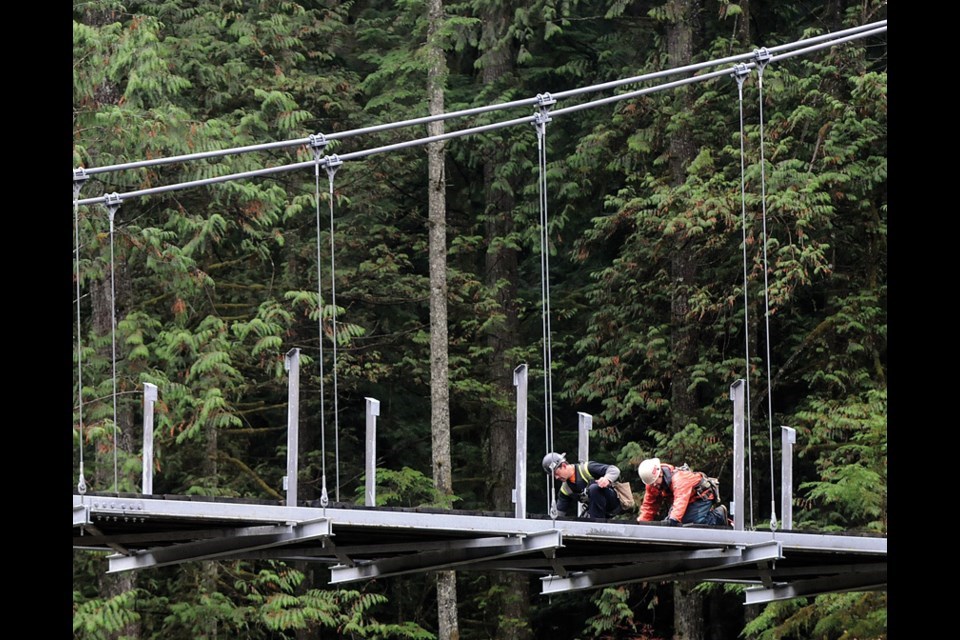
(700, 512)
(603, 501)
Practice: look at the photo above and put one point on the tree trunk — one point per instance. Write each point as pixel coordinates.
(688, 606)
(107, 467)
(107, 300)
(743, 23)
(501, 267)
(688, 612)
(439, 377)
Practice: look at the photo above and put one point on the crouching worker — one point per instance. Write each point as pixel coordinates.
(589, 482)
(689, 496)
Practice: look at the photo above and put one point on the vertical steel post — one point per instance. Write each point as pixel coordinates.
(788, 437)
(291, 362)
(370, 493)
(520, 486)
(737, 507)
(584, 425)
(149, 397)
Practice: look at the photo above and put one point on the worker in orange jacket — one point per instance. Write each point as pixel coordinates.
(688, 496)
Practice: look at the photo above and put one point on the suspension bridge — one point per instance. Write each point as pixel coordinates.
(363, 542)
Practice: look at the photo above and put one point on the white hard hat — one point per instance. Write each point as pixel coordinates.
(649, 470)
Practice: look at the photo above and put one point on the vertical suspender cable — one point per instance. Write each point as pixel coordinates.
(79, 178)
(332, 163)
(740, 73)
(540, 122)
(317, 143)
(113, 203)
(762, 57)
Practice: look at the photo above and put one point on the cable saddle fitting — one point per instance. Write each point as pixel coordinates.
(762, 56)
(542, 117)
(740, 71)
(79, 177)
(544, 100)
(112, 201)
(318, 142)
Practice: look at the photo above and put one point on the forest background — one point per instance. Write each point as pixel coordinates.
(649, 215)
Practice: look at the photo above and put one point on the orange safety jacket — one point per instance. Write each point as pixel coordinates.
(679, 490)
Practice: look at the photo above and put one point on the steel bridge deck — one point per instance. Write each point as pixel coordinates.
(363, 543)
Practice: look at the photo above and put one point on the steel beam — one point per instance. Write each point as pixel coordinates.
(672, 566)
(855, 581)
(81, 515)
(234, 542)
(456, 553)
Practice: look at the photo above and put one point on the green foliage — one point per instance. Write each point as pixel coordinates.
(102, 618)
(614, 618)
(407, 488)
(849, 442)
(838, 616)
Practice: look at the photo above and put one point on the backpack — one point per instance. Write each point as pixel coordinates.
(708, 489)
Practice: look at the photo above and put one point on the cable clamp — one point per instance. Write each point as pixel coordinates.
(79, 177)
(545, 100)
(332, 162)
(762, 56)
(540, 118)
(112, 200)
(740, 72)
(318, 142)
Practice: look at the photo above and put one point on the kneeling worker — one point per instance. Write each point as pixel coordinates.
(589, 481)
(688, 495)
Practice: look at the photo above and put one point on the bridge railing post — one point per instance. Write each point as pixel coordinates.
(370, 489)
(788, 437)
(737, 510)
(584, 425)
(149, 397)
(291, 362)
(520, 484)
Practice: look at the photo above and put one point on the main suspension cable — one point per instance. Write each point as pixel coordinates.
(831, 40)
(805, 45)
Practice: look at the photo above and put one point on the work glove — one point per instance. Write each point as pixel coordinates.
(671, 522)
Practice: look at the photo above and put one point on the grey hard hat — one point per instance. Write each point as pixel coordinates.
(553, 460)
